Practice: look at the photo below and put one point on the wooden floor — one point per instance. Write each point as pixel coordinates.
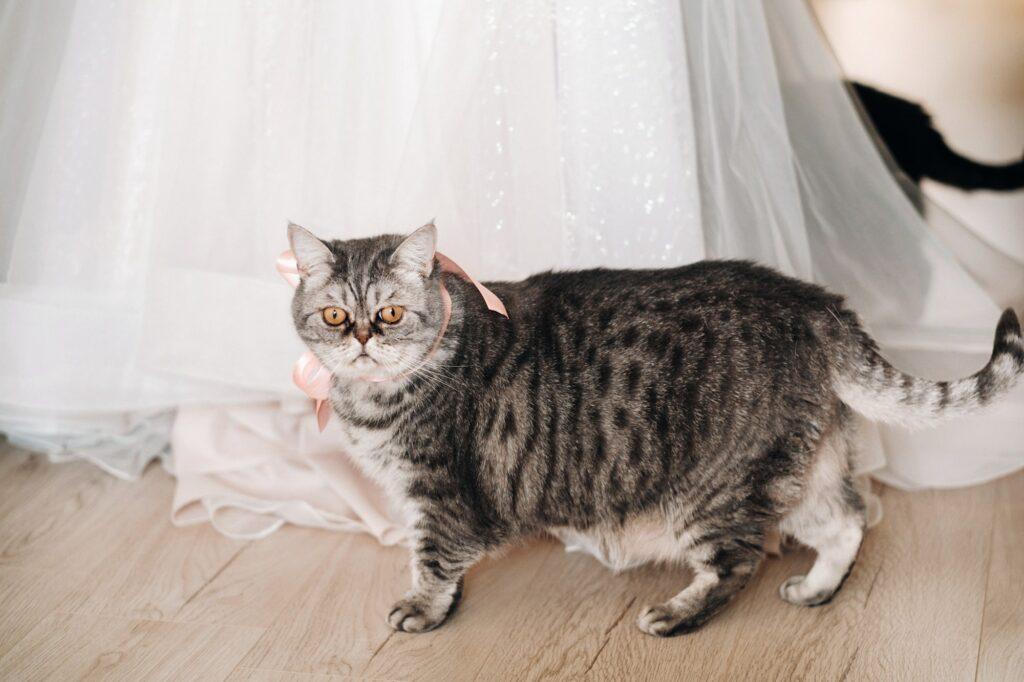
(96, 583)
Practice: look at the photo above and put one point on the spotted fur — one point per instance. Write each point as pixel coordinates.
(647, 415)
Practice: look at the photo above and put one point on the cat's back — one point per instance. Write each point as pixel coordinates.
(712, 291)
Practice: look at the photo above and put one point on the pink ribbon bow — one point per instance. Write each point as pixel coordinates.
(314, 379)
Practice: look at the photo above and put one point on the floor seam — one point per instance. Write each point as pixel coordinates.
(377, 650)
(607, 633)
(988, 575)
(871, 587)
(622, 615)
(597, 656)
(213, 577)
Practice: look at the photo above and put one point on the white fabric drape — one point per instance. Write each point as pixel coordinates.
(153, 152)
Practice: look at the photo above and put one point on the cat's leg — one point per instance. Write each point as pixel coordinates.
(730, 526)
(721, 569)
(830, 519)
(836, 544)
(439, 563)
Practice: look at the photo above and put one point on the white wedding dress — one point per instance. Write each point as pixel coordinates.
(152, 154)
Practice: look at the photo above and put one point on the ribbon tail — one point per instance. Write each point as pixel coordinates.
(323, 414)
(490, 298)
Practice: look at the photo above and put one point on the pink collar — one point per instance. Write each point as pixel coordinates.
(313, 378)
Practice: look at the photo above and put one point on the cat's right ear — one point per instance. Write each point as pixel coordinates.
(312, 255)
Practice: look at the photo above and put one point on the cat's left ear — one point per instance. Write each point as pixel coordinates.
(416, 252)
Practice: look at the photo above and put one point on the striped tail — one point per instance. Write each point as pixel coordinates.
(879, 391)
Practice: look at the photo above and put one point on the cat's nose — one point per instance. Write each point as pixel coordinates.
(362, 334)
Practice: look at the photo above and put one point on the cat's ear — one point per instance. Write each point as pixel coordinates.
(311, 254)
(416, 252)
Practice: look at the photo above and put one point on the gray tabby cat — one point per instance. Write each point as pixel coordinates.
(654, 415)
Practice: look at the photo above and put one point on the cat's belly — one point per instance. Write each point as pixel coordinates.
(641, 540)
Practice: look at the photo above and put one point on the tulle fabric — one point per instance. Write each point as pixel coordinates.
(154, 153)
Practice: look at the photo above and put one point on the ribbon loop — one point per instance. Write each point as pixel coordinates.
(288, 267)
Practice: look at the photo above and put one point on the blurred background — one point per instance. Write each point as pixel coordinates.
(964, 61)
(152, 155)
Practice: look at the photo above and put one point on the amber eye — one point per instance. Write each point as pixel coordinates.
(334, 316)
(391, 314)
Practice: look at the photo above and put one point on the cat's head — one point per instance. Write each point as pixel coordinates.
(367, 307)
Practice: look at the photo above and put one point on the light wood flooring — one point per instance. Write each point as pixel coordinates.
(95, 583)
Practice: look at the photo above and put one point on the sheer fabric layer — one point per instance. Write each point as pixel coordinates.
(157, 152)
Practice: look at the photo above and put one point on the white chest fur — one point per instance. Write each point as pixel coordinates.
(374, 450)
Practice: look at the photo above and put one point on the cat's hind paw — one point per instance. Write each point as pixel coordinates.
(796, 590)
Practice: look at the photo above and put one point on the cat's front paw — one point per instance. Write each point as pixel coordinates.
(665, 621)
(411, 616)
(420, 613)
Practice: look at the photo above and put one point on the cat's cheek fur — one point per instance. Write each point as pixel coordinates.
(338, 357)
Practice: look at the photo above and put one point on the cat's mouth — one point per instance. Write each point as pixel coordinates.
(363, 360)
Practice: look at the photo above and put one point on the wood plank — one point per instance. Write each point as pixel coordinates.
(757, 635)
(155, 572)
(925, 608)
(1001, 656)
(110, 539)
(90, 567)
(27, 596)
(138, 565)
(78, 515)
(264, 675)
(264, 579)
(490, 609)
(565, 623)
(45, 508)
(84, 646)
(873, 629)
(335, 622)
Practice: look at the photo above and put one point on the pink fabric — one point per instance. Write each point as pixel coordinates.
(250, 469)
(315, 381)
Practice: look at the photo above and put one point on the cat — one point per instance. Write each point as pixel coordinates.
(921, 152)
(659, 415)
